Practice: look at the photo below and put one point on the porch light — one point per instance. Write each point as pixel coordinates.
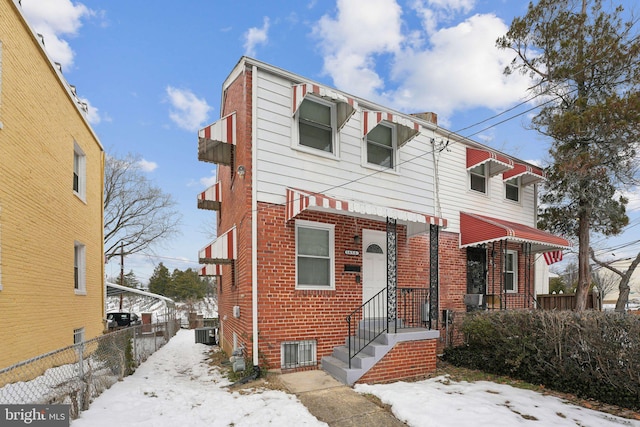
(356, 239)
(241, 171)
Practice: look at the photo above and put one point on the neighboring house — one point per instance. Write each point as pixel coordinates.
(634, 283)
(331, 207)
(51, 178)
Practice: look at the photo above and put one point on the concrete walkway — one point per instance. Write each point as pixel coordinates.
(335, 403)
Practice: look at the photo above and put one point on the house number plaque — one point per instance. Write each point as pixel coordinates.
(349, 252)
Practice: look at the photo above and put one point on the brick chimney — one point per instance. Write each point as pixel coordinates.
(429, 117)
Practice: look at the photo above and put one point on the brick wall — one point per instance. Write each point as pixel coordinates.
(40, 216)
(407, 360)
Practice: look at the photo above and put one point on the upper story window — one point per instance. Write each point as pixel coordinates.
(316, 125)
(315, 255)
(511, 271)
(478, 176)
(512, 189)
(381, 146)
(79, 172)
(79, 257)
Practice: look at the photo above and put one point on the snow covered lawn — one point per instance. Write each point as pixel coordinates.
(176, 387)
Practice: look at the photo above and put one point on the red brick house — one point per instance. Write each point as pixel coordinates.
(346, 229)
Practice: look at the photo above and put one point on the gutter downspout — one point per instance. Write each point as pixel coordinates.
(254, 211)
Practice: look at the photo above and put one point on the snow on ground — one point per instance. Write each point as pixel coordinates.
(439, 402)
(176, 387)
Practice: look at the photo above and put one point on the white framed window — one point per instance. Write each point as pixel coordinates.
(316, 124)
(511, 271)
(294, 354)
(79, 172)
(478, 178)
(315, 255)
(512, 189)
(79, 267)
(381, 143)
(78, 336)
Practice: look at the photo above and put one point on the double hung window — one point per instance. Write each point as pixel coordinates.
(478, 178)
(316, 125)
(511, 271)
(381, 146)
(314, 255)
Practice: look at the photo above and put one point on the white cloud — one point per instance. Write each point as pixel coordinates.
(208, 181)
(55, 19)
(362, 29)
(147, 166)
(440, 69)
(189, 112)
(256, 36)
(92, 112)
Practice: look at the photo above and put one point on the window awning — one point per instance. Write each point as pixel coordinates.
(478, 229)
(210, 270)
(345, 106)
(406, 129)
(416, 222)
(210, 198)
(527, 174)
(223, 250)
(496, 163)
(216, 141)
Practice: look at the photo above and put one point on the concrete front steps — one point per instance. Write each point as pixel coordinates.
(337, 365)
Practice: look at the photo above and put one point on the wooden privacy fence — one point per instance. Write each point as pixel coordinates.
(566, 301)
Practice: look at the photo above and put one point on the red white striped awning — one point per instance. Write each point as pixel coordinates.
(496, 163)
(300, 200)
(210, 270)
(345, 106)
(223, 250)
(406, 129)
(478, 229)
(210, 198)
(216, 141)
(528, 175)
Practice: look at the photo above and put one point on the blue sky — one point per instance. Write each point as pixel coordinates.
(151, 73)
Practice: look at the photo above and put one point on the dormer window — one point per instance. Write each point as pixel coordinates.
(478, 178)
(381, 146)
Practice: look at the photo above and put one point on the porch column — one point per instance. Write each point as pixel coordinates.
(392, 274)
(434, 276)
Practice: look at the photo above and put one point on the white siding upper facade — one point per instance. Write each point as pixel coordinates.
(345, 174)
(429, 174)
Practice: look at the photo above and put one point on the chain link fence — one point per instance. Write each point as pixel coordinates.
(75, 375)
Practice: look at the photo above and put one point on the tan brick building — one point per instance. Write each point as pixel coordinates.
(51, 181)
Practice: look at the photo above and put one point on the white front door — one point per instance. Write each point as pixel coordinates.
(374, 271)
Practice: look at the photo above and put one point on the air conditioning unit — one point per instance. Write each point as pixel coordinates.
(474, 300)
(204, 336)
(236, 311)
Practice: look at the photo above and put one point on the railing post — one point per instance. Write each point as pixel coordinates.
(392, 273)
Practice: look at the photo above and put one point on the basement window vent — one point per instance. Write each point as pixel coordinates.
(295, 354)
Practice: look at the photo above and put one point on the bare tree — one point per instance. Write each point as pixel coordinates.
(605, 281)
(625, 278)
(137, 214)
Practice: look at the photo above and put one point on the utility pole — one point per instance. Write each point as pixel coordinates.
(121, 271)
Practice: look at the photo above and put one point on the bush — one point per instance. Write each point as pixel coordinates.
(591, 354)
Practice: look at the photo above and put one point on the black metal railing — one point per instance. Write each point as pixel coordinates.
(413, 308)
(370, 320)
